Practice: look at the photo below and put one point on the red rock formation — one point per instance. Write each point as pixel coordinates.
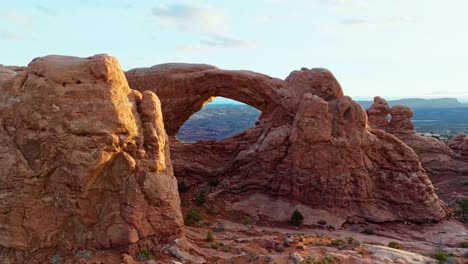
(84, 163)
(378, 113)
(459, 144)
(312, 144)
(401, 120)
(436, 158)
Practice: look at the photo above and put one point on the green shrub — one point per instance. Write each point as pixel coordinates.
(192, 217)
(210, 236)
(441, 256)
(248, 221)
(337, 242)
(312, 260)
(201, 198)
(182, 187)
(464, 244)
(144, 255)
(350, 243)
(214, 245)
(465, 183)
(297, 218)
(368, 231)
(395, 245)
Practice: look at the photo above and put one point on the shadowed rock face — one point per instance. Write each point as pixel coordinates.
(436, 157)
(84, 162)
(311, 145)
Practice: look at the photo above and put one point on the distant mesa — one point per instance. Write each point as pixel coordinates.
(421, 103)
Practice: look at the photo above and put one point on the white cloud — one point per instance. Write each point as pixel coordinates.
(209, 21)
(366, 23)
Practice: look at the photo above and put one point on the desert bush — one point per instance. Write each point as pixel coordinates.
(297, 218)
(337, 242)
(144, 255)
(441, 256)
(214, 245)
(395, 245)
(201, 198)
(462, 211)
(192, 217)
(464, 244)
(368, 231)
(313, 260)
(352, 243)
(182, 187)
(210, 236)
(349, 243)
(213, 182)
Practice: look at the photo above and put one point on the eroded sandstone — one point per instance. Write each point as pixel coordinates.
(84, 163)
(436, 157)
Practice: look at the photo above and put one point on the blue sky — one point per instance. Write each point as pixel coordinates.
(392, 48)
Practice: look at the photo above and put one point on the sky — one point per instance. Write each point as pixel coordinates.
(391, 48)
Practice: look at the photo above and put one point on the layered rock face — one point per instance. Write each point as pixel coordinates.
(436, 158)
(311, 145)
(84, 162)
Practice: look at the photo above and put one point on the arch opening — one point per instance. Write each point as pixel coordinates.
(219, 118)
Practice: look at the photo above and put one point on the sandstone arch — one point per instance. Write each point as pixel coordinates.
(187, 88)
(313, 146)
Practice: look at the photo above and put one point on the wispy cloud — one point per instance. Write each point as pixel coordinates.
(362, 22)
(209, 21)
(18, 18)
(215, 42)
(10, 35)
(45, 10)
(346, 3)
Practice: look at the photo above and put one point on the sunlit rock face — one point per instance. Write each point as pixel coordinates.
(312, 145)
(436, 157)
(84, 162)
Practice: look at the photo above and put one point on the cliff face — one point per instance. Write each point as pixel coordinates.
(312, 145)
(84, 162)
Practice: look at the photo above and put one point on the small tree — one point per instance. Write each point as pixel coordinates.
(462, 209)
(297, 218)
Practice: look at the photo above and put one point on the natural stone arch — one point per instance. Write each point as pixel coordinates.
(185, 88)
(313, 145)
